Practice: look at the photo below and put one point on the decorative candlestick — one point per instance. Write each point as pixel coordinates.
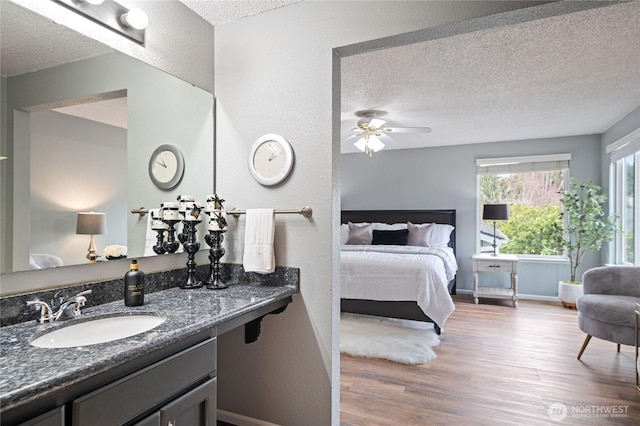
(160, 227)
(191, 246)
(214, 238)
(170, 216)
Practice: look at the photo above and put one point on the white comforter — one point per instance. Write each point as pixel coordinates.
(385, 272)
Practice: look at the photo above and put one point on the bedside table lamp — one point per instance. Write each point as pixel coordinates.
(91, 223)
(495, 212)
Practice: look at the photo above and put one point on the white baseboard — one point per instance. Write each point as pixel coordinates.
(521, 296)
(240, 420)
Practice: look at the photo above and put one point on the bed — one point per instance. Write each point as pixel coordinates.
(423, 278)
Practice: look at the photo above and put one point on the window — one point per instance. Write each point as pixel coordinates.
(532, 187)
(624, 187)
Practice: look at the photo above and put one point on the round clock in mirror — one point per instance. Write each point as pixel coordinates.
(166, 166)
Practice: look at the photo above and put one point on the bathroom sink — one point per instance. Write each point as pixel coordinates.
(98, 330)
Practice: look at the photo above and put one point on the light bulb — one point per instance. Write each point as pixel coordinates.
(361, 144)
(135, 18)
(375, 144)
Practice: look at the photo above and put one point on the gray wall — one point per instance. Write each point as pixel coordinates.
(277, 73)
(97, 181)
(445, 178)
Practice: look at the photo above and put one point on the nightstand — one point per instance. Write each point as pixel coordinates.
(505, 263)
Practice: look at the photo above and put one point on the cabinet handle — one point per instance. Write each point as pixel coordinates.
(494, 266)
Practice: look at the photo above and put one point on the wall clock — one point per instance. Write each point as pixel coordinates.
(166, 166)
(270, 160)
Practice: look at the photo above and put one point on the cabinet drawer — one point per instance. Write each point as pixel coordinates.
(495, 265)
(137, 393)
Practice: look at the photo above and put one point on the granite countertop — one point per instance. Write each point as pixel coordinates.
(28, 373)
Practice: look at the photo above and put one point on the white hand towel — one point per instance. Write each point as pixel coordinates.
(150, 234)
(258, 241)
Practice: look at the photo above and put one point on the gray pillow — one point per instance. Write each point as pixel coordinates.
(360, 235)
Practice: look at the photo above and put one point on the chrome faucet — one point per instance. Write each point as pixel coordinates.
(67, 308)
(46, 314)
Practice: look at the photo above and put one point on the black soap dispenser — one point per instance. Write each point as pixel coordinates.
(134, 286)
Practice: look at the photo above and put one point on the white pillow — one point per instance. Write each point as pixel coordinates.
(344, 233)
(440, 235)
(419, 235)
(360, 235)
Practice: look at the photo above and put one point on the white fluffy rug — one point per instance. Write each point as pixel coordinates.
(406, 342)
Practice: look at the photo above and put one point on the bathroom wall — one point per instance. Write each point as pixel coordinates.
(277, 72)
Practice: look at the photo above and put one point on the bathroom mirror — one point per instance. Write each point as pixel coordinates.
(65, 158)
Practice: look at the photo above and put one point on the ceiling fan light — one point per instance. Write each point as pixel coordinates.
(361, 144)
(375, 144)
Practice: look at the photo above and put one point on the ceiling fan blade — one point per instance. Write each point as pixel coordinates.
(376, 123)
(352, 138)
(384, 138)
(408, 129)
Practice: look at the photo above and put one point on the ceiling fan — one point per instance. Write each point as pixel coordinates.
(371, 133)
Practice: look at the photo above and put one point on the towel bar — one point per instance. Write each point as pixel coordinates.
(141, 211)
(305, 211)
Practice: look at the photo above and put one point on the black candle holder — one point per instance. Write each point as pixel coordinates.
(171, 245)
(158, 248)
(191, 246)
(214, 240)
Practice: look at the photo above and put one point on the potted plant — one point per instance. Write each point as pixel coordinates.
(587, 227)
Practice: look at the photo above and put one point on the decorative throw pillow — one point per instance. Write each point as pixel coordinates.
(344, 233)
(419, 235)
(359, 235)
(396, 238)
(440, 235)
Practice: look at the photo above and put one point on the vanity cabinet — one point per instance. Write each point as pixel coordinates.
(52, 418)
(180, 385)
(177, 390)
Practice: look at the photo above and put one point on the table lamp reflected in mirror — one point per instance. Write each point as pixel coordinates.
(495, 212)
(91, 223)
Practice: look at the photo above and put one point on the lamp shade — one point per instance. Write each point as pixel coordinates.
(495, 212)
(91, 223)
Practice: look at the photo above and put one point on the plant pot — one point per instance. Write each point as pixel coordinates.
(569, 293)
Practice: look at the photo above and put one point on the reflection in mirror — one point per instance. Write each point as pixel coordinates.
(64, 158)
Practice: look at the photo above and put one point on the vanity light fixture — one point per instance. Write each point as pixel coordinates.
(91, 223)
(135, 18)
(130, 23)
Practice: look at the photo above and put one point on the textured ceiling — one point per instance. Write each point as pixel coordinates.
(567, 75)
(560, 76)
(30, 42)
(222, 11)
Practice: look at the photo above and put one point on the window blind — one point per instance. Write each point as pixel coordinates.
(624, 146)
(536, 163)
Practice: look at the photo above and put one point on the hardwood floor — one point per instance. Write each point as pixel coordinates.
(498, 365)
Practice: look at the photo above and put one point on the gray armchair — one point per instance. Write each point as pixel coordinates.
(606, 310)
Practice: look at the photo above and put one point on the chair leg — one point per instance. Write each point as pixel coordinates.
(618, 347)
(584, 345)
